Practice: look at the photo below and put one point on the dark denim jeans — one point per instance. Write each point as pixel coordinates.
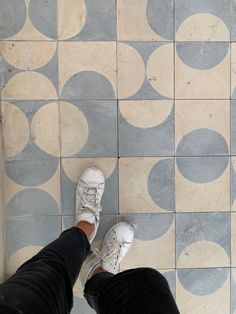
(44, 284)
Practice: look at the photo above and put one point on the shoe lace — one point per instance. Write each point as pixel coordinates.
(112, 255)
(89, 199)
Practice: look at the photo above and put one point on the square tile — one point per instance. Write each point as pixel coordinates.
(87, 20)
(146, 128)
(233, 290)
(233, 70)
(146, 185)
(145, 20)
(202, 184)
(233, 239)
(84, 128)
(198, 134)
(145, 70)
(30, 181)
(154, 246)
(202, 20)
(233, 183)
(72, 169)
(87, 70)
(25, 236)
(24, 20)
(30, 70)
(31, 129)
(199, 244)
(203, 290)
(202, 70)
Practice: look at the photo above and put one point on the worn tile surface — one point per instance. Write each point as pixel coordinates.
(146, 91)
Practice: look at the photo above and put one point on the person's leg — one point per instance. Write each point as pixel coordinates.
(141, 290)
(44, 283)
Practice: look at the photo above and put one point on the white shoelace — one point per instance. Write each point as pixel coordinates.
(89, 199)
(112, 255)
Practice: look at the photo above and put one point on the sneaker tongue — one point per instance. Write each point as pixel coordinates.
(87, 216)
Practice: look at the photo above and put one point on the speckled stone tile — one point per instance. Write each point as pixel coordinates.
(202, 70)
(203, 290)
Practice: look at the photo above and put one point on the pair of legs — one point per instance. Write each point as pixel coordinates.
(44, 283)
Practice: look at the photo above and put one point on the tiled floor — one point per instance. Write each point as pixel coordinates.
(145, 90)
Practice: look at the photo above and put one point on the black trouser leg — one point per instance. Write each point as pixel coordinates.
(44, 283)
(141, 290)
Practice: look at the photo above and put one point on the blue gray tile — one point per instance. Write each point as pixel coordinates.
(202, 282)
(233, 20)
(154, 141)
(233, 127)
(81, 307)
(198, 227)
(202, 169)
(13, 14)
(26, 231)
(186, 8)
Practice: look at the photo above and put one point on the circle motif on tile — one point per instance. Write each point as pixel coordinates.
(202, 56)
(15, 129)
(21, 203)
(202, 27)
(131, 70)
(160, 17)
(145, 113)
(203, 281)
(161, 185)
(71, 18)
(43, 15)
(45, 129)
(203, 254)
(202, 169)
(204, 142)
(28, 55)
(31, 172)
(12, 17)
(74, 129)
(29, 85)
(159, 70)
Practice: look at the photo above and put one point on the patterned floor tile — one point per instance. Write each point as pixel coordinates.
(202, 184)
(72, 168)
(145, 20)
(233, 70)
(87, 70)
(25, 236)
(202, 135)
(145, 70)
(202, 20)
(203, 291)
(233, 239)
(233, 290)
(31, 181)
(202, 70)
(31, 129)
(233, 183)
(84, 128)
(199, 244)
(146, 185)
(85, 20)
(146, 128)
(31, 70)
(153, 246)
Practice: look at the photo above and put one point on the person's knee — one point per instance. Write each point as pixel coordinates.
(151, 275)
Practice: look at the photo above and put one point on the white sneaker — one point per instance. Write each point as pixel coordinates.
(89, 193)
(115, 245)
